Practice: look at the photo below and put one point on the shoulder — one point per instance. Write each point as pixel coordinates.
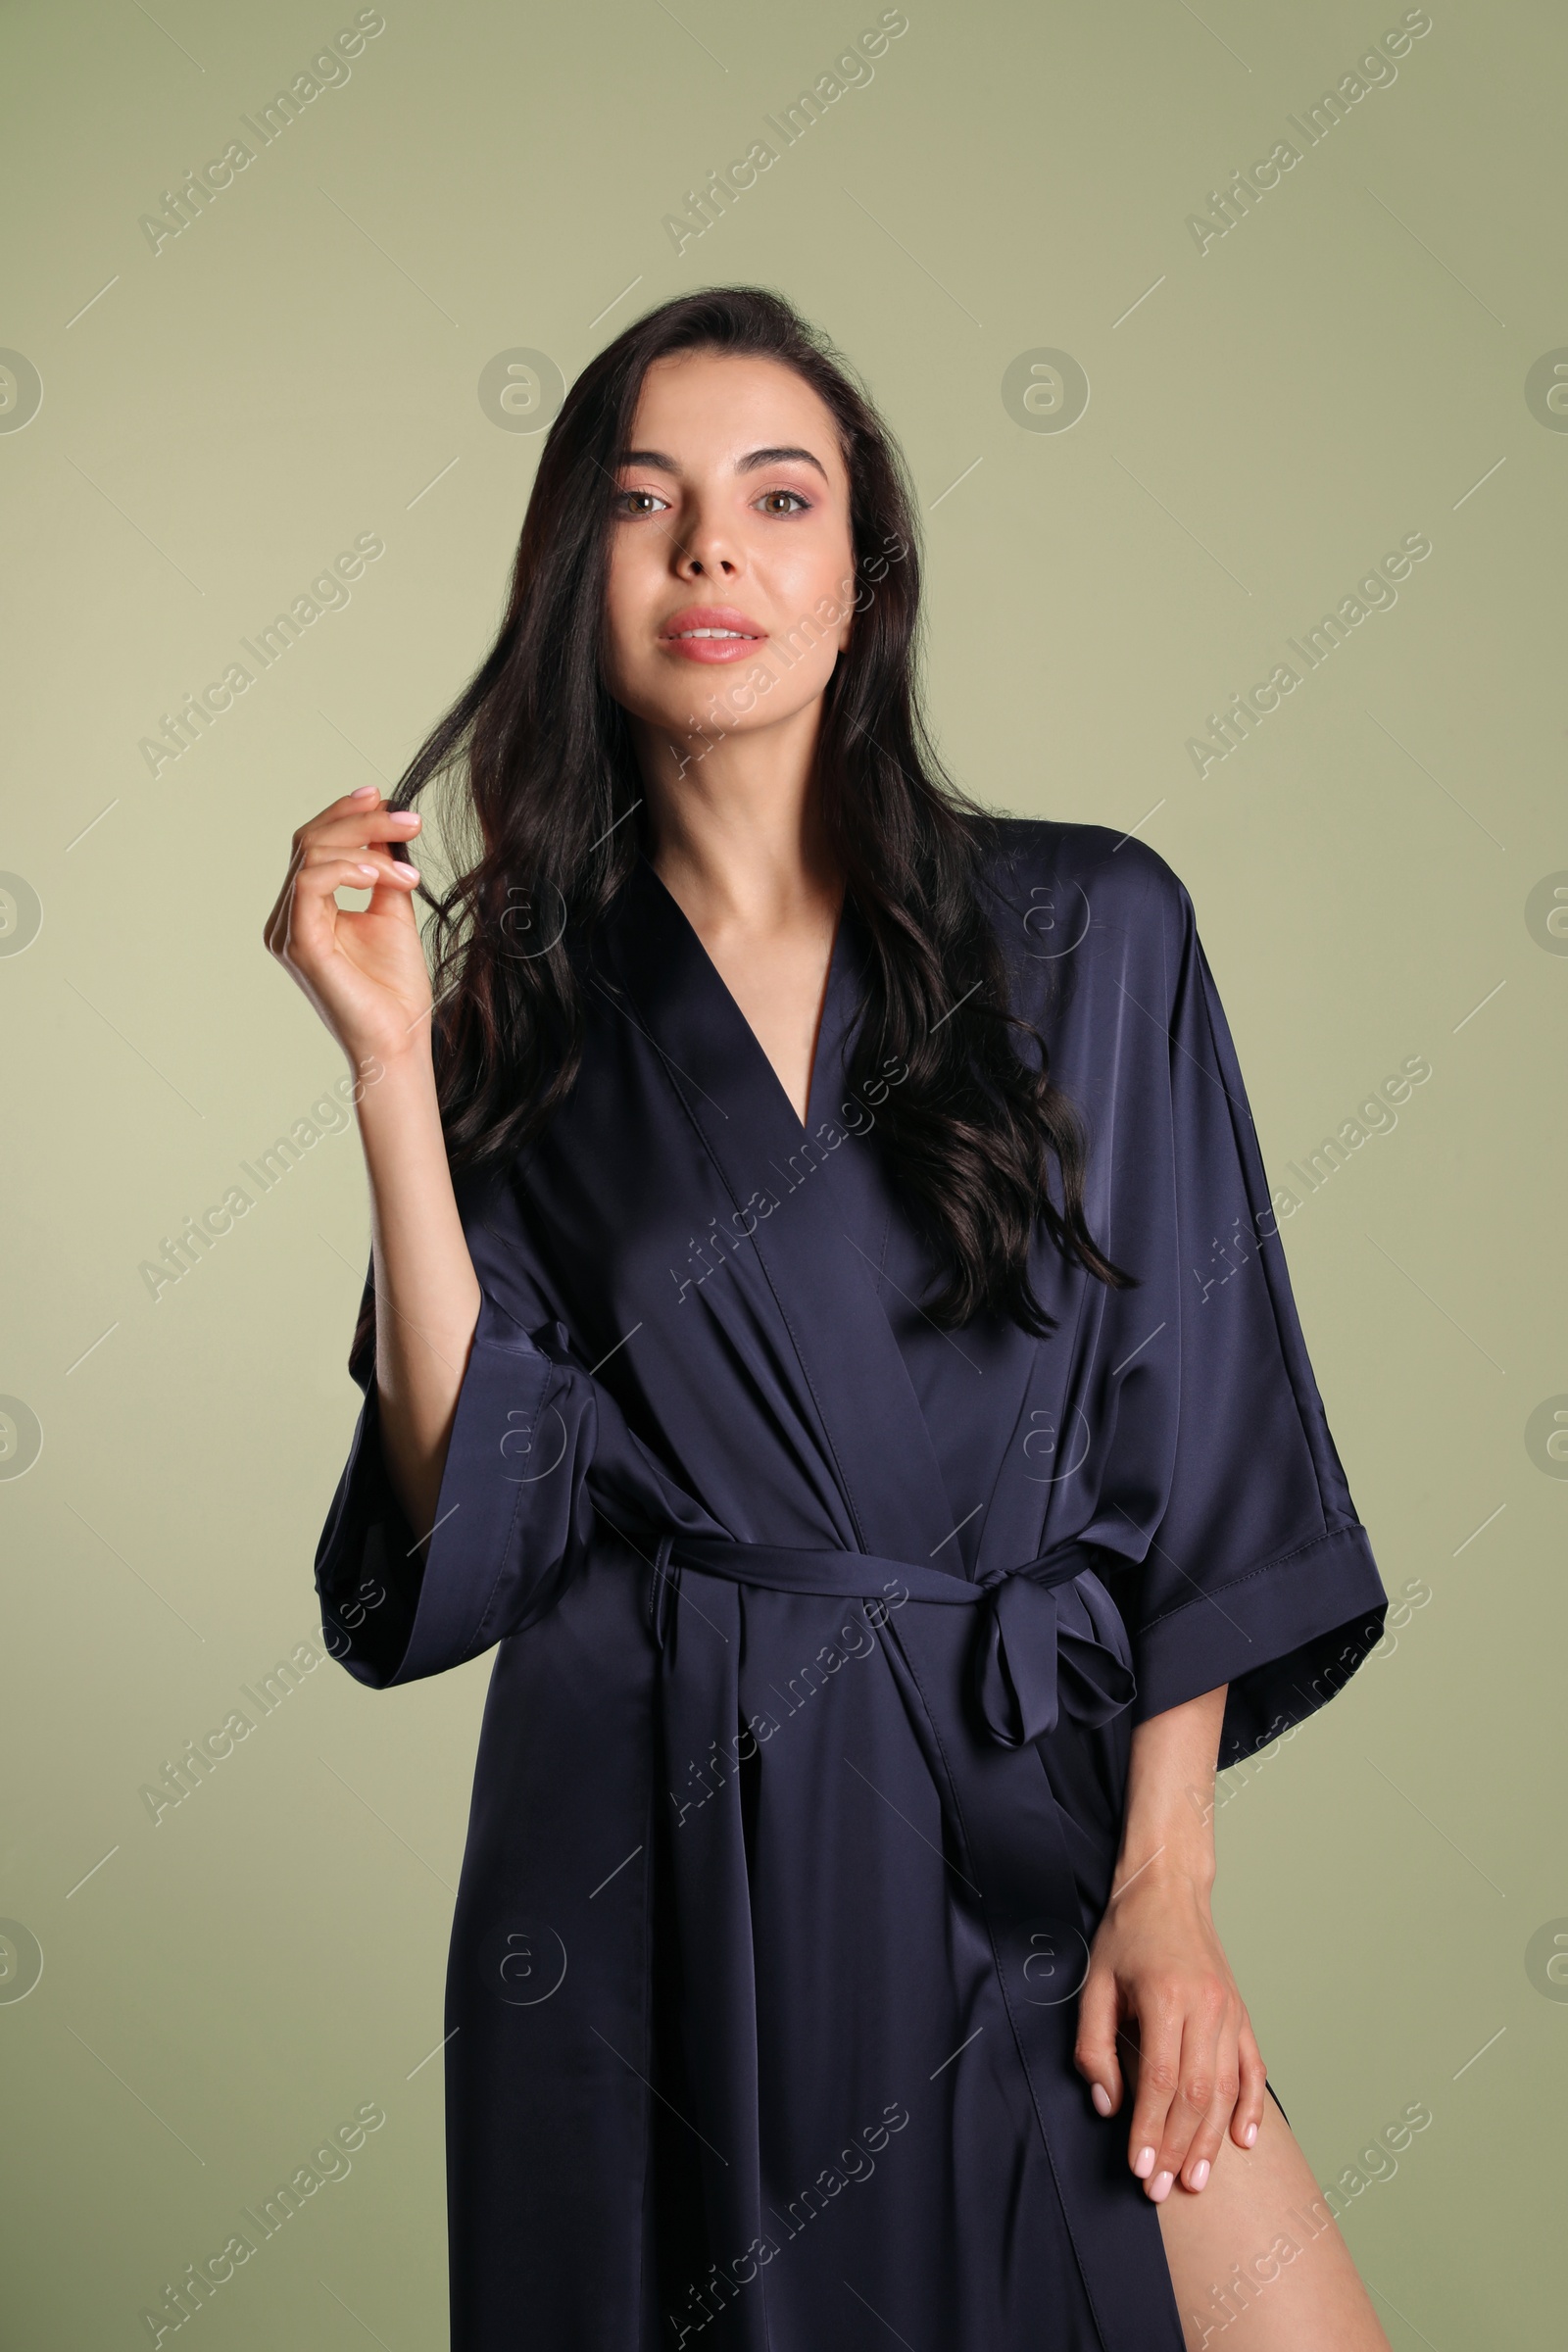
(1034, 866)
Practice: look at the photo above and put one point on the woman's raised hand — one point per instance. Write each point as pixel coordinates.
(364, 972)
(365, 975)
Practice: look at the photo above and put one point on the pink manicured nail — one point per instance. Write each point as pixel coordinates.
(1249, 2134)
(1161, 2186)
(362, 791)
(1199, 2174)
(1146, 2163)
(370, 869)
(1102, 2098)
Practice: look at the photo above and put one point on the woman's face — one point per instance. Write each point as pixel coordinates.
(732, 582)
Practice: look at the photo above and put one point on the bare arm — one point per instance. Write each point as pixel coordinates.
(1157, 1964)
(365, 973)
(426, 1292)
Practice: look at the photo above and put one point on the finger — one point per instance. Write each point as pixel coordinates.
(306, 931)
(374, 812)
(365, 856)
(1203, 2016)
(1160, 2050)
(347, 828)
(1254, 2090)
(349, 821)
(1094, 2052)
(275, 929)
(1207, 2140)
(352, 809)
(363, 797)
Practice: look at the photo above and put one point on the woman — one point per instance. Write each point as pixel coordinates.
(825, 1323)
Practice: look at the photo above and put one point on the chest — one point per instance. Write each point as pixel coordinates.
(778, 980)
(750, 1290)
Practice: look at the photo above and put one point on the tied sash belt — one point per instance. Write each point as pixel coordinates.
(1050, 1641)
(1030, 1662)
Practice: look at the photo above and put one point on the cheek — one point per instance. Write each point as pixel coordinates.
(626, 605)
(808, 587)
(802, 657)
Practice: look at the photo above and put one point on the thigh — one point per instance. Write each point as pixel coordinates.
(1256, 2257)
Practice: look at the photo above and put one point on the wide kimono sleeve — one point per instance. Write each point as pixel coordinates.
(1258, 1573)
(513, 1512)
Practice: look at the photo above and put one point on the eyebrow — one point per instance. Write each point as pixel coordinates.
(657, 460)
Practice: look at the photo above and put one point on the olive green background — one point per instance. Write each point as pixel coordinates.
(1266, 419)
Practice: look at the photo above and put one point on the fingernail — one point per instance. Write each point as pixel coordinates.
(1249, 2134)
(1102, 2098)
(1146, 2163)
(363, 792)
(369, 869)
(1199, 2174)
(1161, 2186)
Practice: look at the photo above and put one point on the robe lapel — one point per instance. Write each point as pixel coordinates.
(1040, 1495)
(819, 1241)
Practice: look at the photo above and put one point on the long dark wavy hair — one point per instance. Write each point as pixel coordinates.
(543, 772)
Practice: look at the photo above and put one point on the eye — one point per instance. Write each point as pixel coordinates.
(802, 506)
(624, 501)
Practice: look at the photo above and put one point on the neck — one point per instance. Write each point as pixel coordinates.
(735, 825)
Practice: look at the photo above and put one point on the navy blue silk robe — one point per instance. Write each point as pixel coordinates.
(822, 1635)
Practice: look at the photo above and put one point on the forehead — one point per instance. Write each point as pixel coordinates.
(709, 409)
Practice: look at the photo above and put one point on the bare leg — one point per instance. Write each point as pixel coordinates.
(1257, 2259)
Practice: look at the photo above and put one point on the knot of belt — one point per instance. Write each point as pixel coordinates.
(1029, 1664)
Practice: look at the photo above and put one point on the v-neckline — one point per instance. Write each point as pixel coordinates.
(775, 1170)
(837, 958)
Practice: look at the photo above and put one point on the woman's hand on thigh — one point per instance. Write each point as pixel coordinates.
(1158, 1980)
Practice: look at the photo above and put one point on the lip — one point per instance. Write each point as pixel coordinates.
(712, 648)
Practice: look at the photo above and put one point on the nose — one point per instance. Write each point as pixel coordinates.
(705, 548)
